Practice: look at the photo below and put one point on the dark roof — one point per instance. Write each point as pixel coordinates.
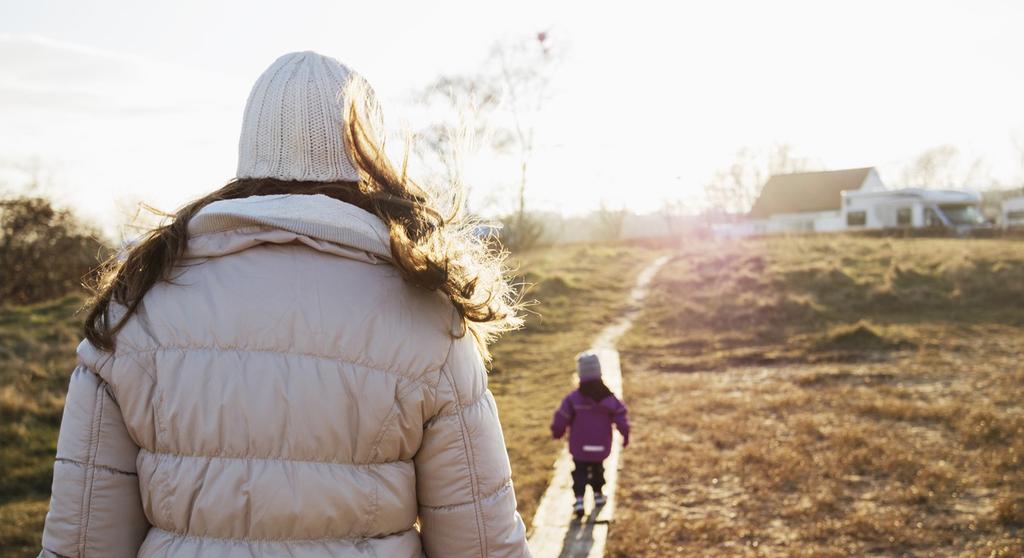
(806, 191)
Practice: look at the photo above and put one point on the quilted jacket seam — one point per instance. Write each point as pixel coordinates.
(371, 518)
(225, 349)
(478, 400)
(248, 540)
(384, 427)
(471, 459)
(504, 487)
(275, 458)
(395, 406)
(440, 372)
(162, 440)
(95, 466)
(90, 471)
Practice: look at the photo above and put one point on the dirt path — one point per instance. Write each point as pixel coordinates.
(555, 532)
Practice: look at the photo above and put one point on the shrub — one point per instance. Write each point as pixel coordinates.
(44, 252)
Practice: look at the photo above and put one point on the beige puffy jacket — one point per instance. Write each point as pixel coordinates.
(288, 395)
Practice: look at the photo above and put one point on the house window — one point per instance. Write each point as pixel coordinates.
(856, 218)
(1015, 216)
(903, 217)
(932, 219)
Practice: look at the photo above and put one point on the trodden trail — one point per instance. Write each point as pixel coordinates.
(555, 532)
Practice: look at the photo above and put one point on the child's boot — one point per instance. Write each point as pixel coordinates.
(577, 508)
(600, 500)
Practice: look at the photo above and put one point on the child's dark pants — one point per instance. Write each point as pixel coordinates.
(587, 473)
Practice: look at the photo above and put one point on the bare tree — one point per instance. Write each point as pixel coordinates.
(943, 166)
(782, 159)
(500, 105)
(31, 174)
(672, 211)
(526, 69)
(734, 189)
(608, 222)
(1018, 143)
(464, 121)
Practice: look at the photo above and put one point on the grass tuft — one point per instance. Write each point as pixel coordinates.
(860, 338)
(842, 396)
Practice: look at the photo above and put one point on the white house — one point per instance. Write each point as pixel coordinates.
(856, 199)
(802, 202)
(1013, 212)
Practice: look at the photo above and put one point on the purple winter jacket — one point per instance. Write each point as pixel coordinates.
(590, 425)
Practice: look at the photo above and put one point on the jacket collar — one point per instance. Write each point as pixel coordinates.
(318, 221)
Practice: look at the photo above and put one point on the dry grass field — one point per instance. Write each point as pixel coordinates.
(828, 397)
(577, 288)
(37, 354)
(820, 397)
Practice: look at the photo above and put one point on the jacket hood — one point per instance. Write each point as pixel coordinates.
(317, 221)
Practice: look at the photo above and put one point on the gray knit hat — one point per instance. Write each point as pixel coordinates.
(293, 126)
(588, 366)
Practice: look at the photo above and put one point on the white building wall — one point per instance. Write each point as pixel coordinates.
(741, 229)
(872, 182)
(833, 221)
(1013, 206)
(799, 222)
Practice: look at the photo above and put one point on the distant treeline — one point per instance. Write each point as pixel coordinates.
(45, 252)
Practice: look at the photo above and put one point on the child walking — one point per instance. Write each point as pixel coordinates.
(588, 412)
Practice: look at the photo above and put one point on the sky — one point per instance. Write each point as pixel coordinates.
(117, 102)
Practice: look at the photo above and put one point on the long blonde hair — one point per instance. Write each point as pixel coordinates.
(432, 250)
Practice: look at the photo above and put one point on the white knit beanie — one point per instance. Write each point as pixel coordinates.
(293, 127)
(588, 366)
